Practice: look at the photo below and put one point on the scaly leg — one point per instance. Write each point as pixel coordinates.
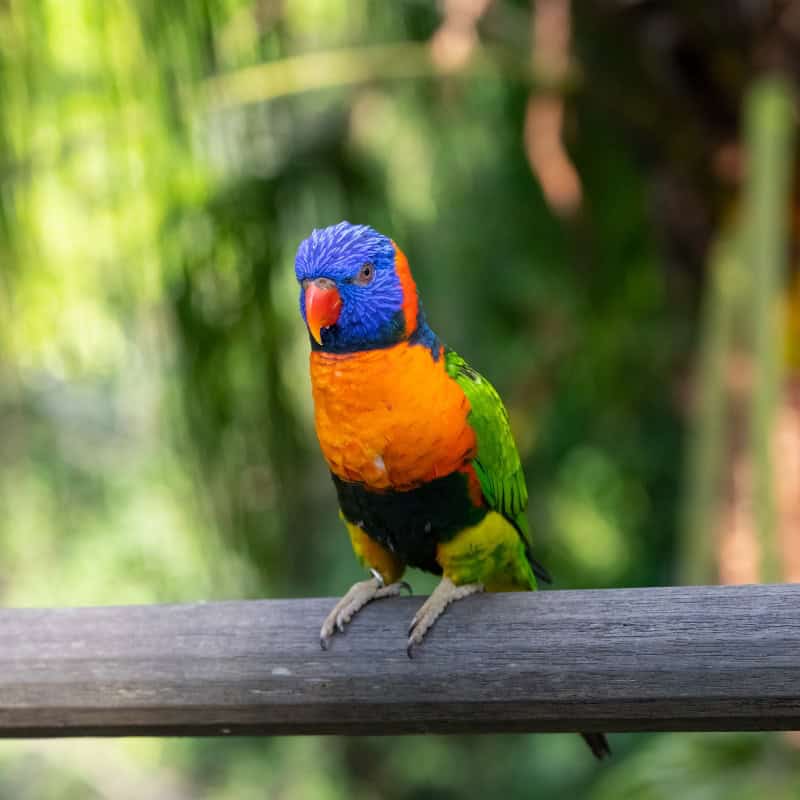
(444, 594)
(356, 598)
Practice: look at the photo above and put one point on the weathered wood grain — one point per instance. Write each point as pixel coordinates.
(702, 658)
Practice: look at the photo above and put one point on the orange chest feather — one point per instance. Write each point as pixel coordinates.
(390, 418)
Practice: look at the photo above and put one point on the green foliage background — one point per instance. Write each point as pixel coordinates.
(155, 417)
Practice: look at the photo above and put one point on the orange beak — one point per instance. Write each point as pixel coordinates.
(323, 305)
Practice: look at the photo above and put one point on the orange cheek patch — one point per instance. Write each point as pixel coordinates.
(410, 299)
(390, 418)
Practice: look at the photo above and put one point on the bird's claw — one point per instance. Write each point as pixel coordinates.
(411, 640)
(359, 595)
(444, 594)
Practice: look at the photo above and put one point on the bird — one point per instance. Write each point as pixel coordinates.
(418, 443)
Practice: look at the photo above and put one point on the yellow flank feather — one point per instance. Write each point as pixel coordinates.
(491, 553)
(373, 555)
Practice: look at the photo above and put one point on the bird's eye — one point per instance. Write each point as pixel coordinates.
(365, 275)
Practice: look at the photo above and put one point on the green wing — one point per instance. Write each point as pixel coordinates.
(497, 461)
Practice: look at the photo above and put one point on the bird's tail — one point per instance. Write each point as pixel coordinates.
(598, 744)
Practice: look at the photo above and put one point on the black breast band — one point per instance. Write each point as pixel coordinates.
(410, 523)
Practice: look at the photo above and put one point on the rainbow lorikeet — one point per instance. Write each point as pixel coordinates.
(417, 442)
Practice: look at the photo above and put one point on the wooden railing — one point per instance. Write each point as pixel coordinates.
(700, 658)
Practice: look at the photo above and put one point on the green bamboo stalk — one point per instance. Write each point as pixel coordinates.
(769, 133)
(707, 441)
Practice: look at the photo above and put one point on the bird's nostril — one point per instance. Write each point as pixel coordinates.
(325, 283)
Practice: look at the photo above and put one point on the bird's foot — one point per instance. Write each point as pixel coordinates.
(444, 594)
(356, 598)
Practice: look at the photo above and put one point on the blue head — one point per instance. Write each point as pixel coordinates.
(356, 292)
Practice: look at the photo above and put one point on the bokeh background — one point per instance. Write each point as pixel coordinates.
(598, 204)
